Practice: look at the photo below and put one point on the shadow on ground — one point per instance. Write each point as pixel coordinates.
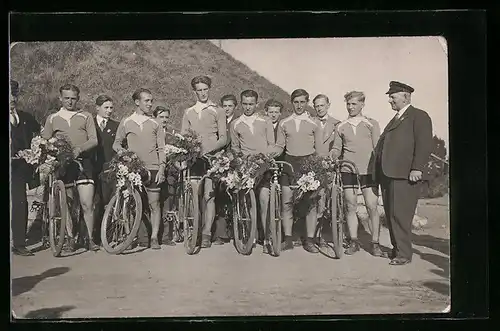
(25, 284)
(48, 313)
(438, 244)
(439, 287)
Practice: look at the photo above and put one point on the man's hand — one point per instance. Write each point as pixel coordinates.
(160, 176)
(415, 176)
(76, 152)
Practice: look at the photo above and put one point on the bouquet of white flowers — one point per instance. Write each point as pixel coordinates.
(48, 156)
(128, 170)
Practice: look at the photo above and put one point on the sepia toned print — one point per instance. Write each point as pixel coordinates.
(229, 177)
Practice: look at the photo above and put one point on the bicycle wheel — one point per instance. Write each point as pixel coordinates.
(58, 215)
(244, 221)
(189, 215)
(323, 241)
(337, 220)
(275, 219)
(121, 222)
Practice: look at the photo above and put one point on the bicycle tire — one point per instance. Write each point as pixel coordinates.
(336, 223)
(190, 217)
(109, 213)
(275, 219)
(325, 247)
(244, 246)
(57, 235)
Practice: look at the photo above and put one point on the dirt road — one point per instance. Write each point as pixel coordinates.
(219, 282)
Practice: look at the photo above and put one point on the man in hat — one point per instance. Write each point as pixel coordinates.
(402, 152)
(23, 127)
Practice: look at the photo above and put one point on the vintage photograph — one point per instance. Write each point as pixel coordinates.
(229, 177)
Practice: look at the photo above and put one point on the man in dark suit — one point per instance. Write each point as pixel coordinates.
(106, 132)
(273, 109)
(402, 152)
(228, 103)
(23, 127)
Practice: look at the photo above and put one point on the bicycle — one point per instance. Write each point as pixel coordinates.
(56, 218)
(123, 216)
(275, 215)
(244, 219)
(190, 207)
(334, 215)
(172, 215)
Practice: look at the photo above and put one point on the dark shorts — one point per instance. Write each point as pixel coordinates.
(265, 181)
(287, 177)
(199, 168)
(150, 182)
(74, 175)
(350, 180)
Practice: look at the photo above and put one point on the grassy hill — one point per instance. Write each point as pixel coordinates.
(117, 68)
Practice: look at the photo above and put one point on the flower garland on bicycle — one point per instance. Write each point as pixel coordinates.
(128, 170)
(315, 173)
(49, 156)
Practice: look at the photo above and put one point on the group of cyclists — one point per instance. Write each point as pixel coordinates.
(290, 139)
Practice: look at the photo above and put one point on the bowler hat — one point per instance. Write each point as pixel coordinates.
(395, 87)
(14, 87)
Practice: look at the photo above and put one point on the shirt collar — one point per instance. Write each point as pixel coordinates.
(275, 125)
(303, 116)
(139, 118)
(355, 120)
(199, 106)
(403, 110)
(100, 119)
(229, 118)
(66, 114)
(323, 119)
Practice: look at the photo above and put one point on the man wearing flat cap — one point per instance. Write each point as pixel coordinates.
(402, 152)
(23, 127)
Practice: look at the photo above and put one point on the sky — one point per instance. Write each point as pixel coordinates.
(334, 66)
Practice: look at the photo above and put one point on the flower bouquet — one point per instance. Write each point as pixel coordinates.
(315, 172)
(128, 171)
(245, 171)
(220, 164)
(48, 156)
(184, 149)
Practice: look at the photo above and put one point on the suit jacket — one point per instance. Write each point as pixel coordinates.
(21, 136)
(228, 126)
(105, 138)
(405, 145)
(328, 133)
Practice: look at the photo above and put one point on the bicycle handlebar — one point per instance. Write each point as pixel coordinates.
(282, 163)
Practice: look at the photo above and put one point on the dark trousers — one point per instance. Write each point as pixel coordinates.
(19, 207)
(104, 191)
(400, 199)
(222, 202)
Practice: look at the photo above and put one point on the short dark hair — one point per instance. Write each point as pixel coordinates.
(69, 87)
(137, 93)
(249, 94)
(102, 99)
(273, 103)
(201, 79)
(321, 96)
(229, 97)
(160, 109)
(14, 88)
(298, 93)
